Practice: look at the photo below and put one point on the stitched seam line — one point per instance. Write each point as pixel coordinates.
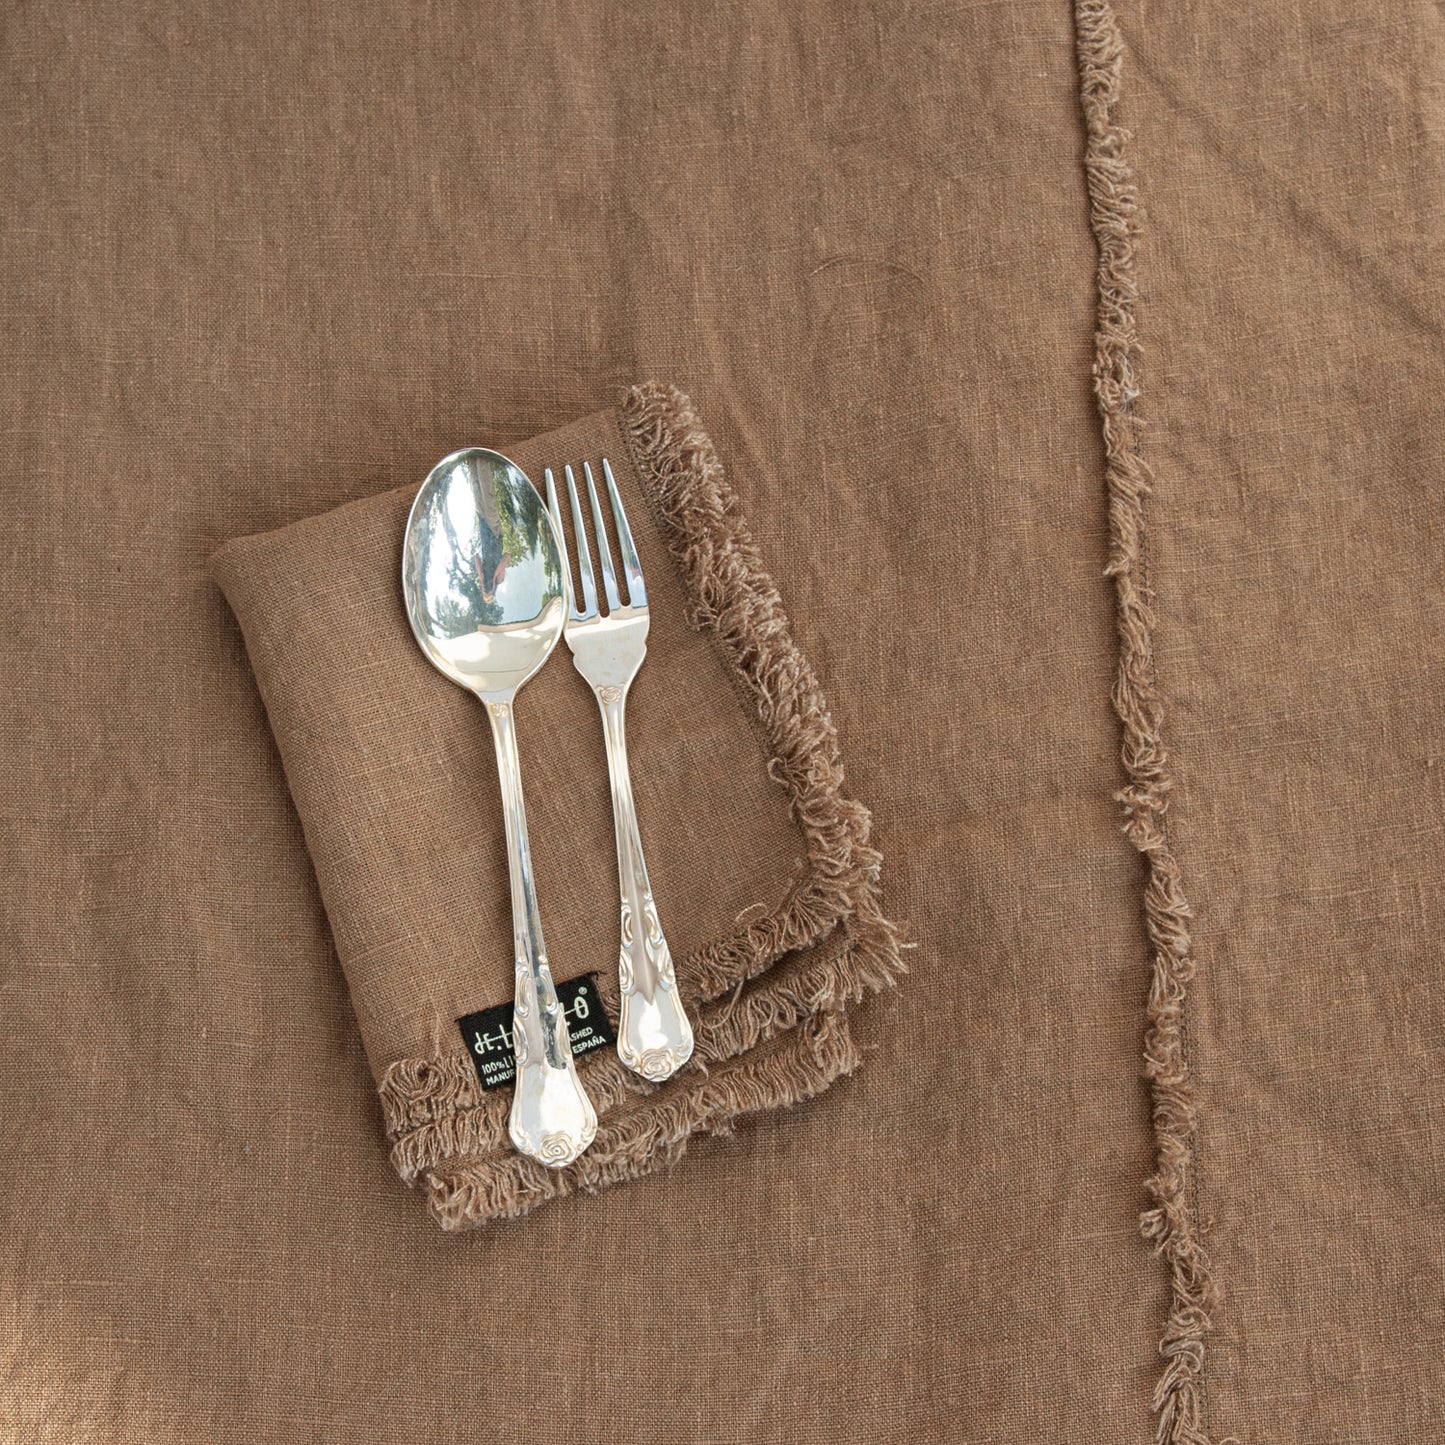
(1172, 1223)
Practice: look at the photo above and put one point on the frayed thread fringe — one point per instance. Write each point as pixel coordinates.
(735, 600)
(438, 1110)
(1172, 1224)
(803, 1062)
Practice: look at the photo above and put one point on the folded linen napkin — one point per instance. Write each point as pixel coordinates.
(761, 867)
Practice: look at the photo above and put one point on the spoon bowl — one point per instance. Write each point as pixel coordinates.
(486, 596)
(482, 573)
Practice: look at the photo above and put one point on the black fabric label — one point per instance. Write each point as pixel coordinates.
(488, 1034)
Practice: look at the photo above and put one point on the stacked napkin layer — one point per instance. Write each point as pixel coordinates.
(764, 878)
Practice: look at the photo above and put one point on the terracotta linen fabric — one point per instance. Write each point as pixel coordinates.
(759, 863)
(977, 302)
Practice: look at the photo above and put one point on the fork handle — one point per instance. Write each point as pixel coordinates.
(552, 1119)
(654, 1037)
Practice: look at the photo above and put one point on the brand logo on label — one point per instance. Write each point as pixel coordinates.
(490, 1041)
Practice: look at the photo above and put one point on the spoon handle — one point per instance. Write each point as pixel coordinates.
(654, 1037)
(552, 1118)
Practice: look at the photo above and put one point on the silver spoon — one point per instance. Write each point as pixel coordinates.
(482, 575)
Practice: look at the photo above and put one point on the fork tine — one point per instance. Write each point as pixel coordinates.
(555, 512)
(604, 551)
(584, 557)
(631, 567)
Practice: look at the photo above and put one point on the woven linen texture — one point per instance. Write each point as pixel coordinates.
(264, 260)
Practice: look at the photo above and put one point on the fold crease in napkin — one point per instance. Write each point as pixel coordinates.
(764, 875)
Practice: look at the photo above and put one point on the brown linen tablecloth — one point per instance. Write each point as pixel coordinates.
(759, 862)
(1077, 368)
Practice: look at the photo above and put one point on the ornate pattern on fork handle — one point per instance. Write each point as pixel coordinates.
(654, 1036)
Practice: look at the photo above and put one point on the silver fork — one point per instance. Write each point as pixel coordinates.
(654, 1037)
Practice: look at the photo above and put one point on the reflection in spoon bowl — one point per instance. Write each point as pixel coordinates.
(482, 573)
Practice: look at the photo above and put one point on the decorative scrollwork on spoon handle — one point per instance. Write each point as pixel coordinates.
(552, 1118)
(654, 1036)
